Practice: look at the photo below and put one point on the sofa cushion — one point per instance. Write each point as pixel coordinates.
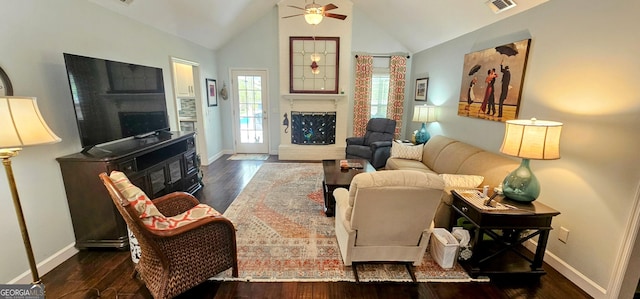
(451, 158)
(406, 164)
(406, 151)
(432, 149)
(493, 167)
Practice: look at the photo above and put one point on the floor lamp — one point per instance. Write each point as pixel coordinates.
(21, 125)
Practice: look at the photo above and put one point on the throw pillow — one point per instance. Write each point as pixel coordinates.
(140, 201)
(405, 151)
(462, 180)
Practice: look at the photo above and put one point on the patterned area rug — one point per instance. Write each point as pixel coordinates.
(258, 157)
(283, 234)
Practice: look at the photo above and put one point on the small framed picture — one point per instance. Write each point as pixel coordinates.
(212, 92)
(421, 89)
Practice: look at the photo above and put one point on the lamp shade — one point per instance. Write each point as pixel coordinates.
(532, 139)
(21, 123)
(424, 114)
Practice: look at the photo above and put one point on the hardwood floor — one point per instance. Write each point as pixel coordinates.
(108, 273)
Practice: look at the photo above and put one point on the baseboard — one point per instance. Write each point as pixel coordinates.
(583, 282)
(47, 265)
(216, 156)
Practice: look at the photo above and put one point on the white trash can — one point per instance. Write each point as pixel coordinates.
(444, 248)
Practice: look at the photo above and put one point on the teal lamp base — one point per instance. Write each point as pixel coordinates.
(521, 184)
(422, 136)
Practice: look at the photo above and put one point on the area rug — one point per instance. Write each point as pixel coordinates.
(284, 235)
(254, 157)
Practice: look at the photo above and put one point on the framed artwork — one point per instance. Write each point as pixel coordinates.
(420, 93)
(313, 64)
(212, 92)
(492, 82)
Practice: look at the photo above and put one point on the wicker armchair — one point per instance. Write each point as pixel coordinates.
(176, 260)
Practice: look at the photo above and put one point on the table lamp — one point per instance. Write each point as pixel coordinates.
(424, 114)
(21, 125)
(528, 139)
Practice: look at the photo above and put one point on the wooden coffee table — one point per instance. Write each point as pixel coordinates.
(335, 177)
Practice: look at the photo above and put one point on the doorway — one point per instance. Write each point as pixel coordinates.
(251, 126)
(187, 100)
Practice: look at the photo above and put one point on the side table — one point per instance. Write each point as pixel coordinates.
(503, 252)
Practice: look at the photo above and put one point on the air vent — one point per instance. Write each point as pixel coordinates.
(499, 6)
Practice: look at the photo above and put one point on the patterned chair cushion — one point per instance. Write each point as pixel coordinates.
(147, 211)
(167, 223)
(138, 199)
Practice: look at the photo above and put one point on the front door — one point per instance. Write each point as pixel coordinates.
(250, 111)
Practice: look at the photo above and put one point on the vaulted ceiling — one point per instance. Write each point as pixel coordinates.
(416, 24)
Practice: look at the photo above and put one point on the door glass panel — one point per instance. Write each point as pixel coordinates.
(250, 109)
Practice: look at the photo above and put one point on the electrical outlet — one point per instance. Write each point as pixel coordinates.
(563, 234)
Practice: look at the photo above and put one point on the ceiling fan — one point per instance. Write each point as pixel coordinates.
(313, 13)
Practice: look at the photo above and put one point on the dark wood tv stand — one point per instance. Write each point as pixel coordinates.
(158, 164)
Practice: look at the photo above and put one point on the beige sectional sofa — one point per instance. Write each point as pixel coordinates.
(443, 155)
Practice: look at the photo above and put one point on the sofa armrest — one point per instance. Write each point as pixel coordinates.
(355, 141)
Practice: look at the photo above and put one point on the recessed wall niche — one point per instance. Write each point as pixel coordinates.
(313, 64)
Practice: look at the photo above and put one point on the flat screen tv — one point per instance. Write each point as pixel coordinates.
(115, 100)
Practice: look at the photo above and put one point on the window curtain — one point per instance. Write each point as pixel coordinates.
(397, 78)
(362, 94)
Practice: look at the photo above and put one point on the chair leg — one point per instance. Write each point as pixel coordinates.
(354, 267)
(409, 267)
(234, 271)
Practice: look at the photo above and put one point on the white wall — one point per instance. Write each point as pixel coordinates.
(255, 48)
(582, 71)
(34, 35)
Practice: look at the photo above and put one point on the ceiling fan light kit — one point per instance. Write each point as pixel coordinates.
(314, 13)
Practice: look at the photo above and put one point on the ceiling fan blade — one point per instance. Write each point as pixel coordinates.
(336, 16)
(293, 16)
(298, 7)
(329, 6)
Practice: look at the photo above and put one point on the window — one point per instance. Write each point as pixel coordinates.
(379, 92)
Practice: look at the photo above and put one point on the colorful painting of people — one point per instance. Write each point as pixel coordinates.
(506, 79)
(489, 93)
(471, 95)
(492, 80)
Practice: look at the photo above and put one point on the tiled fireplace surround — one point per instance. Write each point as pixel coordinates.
(314, 103)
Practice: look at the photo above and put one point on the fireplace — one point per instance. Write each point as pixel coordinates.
(313, 128)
